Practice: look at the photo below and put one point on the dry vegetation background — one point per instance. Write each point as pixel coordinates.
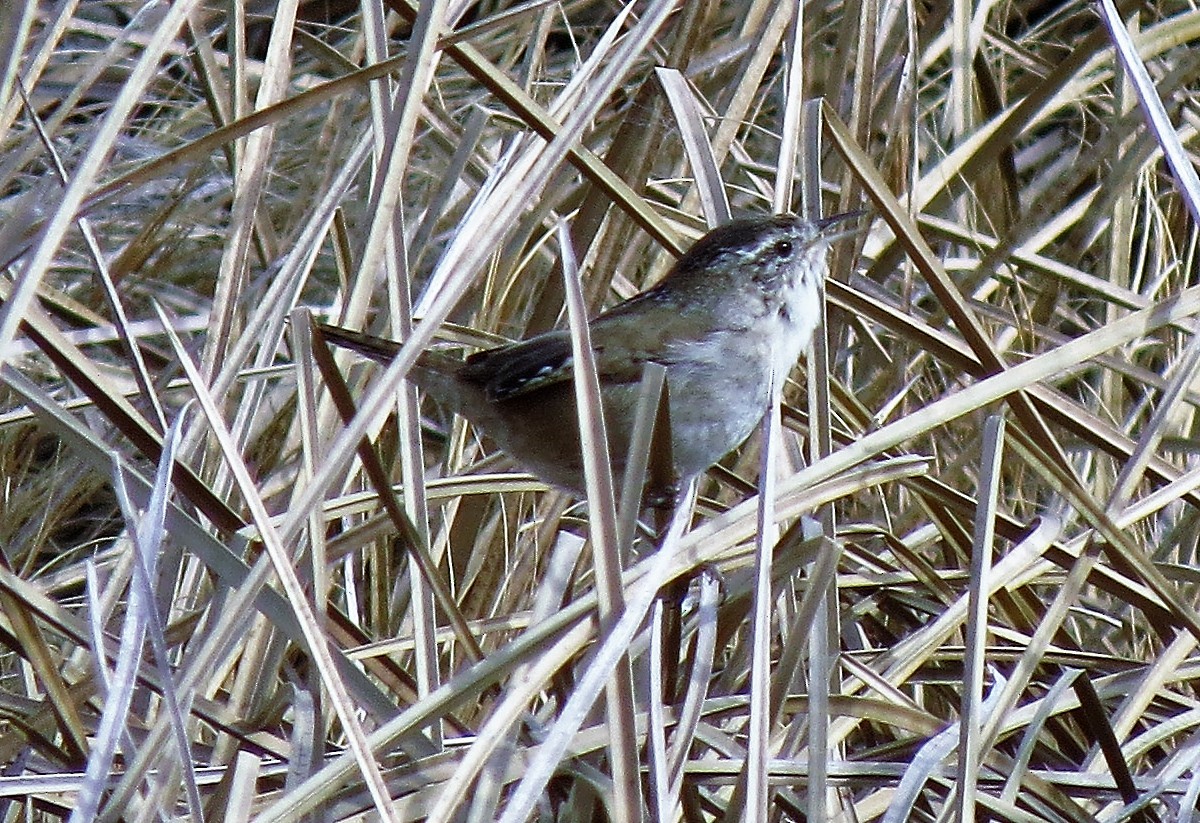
(979, 600)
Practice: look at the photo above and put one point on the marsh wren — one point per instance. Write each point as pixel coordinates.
(743, 299)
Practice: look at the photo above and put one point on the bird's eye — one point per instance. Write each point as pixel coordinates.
(783, 248)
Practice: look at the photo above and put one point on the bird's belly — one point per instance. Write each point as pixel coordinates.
(714, 408)
(717, 396)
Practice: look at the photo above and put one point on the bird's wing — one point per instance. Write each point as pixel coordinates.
(520, 368)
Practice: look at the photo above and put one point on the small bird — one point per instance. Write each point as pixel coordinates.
(745, 298)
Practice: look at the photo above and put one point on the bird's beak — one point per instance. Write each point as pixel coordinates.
(834, 226)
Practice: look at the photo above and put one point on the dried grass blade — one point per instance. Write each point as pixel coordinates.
(902, 660)
(298, 601)
(16, 28)
(821, 576)
(99, 261)
(796, 120)
(603, 530)
(1150, 438)
(926, 763)
(982, 545)
(80, 370)
(698, 678)
(494, 734)
(1117, 546)
(537, 118)
(148, 540)
(230, 569)
(141, 616)
(251, 159)
(662, 801)
(46, 669)
(1069, 357)
(935, 275)
(466, 685)
(1046, 706)
(53, 232)
(242, 788)
(823, 637)
(762, 630)
(551, 594)
(1156, 115)
(706, 173)
(651, 392)
(614, 646)
(765, 39)
(401, 129)
(1102, 734)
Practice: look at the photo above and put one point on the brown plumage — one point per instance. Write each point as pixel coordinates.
(744, 298)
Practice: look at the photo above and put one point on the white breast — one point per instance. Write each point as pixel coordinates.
(798, 319)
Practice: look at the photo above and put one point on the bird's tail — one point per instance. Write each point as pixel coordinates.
(380, 349)
(435, 372)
